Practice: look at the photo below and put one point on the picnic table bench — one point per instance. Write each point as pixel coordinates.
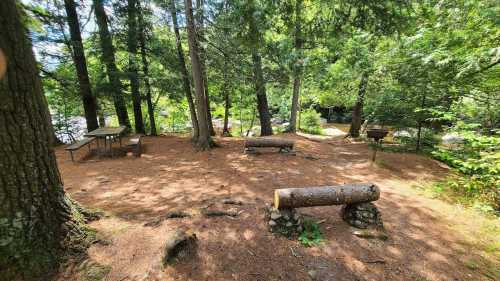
(79, 144)
(135, 143)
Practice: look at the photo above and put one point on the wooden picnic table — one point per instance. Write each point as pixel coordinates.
(107, 133)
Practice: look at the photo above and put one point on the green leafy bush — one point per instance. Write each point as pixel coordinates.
(311, 235)
(310, 122)
(477, 158)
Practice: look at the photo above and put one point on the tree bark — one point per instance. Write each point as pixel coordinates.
(78, 55)
(260, 89)
(204, 140)
(199, 32)
(227, 106)
(35, 214)
(108, 57)
(260, 84)
(357, 111)
(297, 67)
(420, 124)
(325, 195)
(184, 72)
(132, 65)
(145, 70)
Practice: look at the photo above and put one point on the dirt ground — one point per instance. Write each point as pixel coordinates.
(171, 175)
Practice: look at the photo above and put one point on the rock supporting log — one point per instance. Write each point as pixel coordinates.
(287, 222)
(325, 195)
(362, 215)
(282, 144)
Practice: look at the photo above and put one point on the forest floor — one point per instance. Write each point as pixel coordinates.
(428, 239)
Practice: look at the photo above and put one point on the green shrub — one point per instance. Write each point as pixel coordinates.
(311, 235)
(477, 159)
(310, 122)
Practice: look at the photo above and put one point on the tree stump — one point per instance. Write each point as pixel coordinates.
(180, 245)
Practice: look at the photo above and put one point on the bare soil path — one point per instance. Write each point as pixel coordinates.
(170, 175)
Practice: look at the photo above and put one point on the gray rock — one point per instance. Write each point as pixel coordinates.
(275, 215)
(312, 274)
(272, 223)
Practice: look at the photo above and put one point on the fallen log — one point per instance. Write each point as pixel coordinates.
(325, 195)
(268, 142)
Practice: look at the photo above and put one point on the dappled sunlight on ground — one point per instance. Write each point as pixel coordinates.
(170, 175)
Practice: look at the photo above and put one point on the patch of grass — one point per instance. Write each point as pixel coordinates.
(471, 264)
(311, 235)
(450, 191)
(96, 272)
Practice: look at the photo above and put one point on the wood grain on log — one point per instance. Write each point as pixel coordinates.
(268, 142)
(325, 195)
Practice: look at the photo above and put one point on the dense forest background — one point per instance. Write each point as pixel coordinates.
(428, 70)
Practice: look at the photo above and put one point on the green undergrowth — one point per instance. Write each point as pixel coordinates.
(311, 235)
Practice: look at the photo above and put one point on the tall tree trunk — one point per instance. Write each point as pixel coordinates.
(78, 55)
(260, 89)
(260, 84)
(204, 140)
(184, 72)
(357, 111)
(420, 124)
(132, 65)
(199, 32)
(227, 106)
(145, 70)
(36, 218)
(227, 100)
(297, 67)
(108, 56)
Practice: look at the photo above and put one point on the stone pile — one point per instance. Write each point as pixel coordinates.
(287, 222)
(362, 215)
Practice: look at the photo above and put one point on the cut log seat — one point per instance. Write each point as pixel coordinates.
(287, 198)
(79, 144)
(282, 144)
(135, 143)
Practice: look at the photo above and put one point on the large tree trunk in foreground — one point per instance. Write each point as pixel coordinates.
(325, 195)
(35, 214)
(204, 140)
(184, 72)
(108, 57)
(297, 67)
(145, 70)
(78, 55)
(357, 111)
(132, 65)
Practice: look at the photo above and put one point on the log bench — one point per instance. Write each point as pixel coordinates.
(79, 144)
(286, 198)
(357, 211)
(135, 144)
(283, 144)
